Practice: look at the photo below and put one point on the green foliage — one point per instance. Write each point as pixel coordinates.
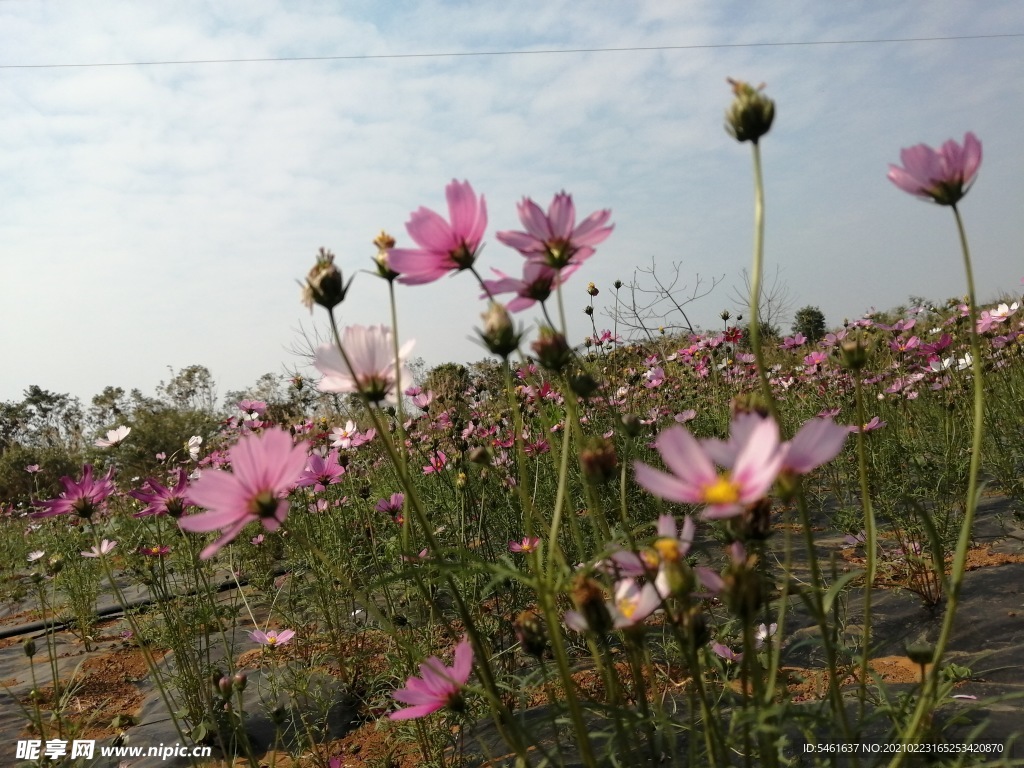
(810, 321)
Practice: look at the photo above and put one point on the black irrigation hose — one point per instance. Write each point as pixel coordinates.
(53, 625)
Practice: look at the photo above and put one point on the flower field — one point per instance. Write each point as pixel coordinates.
(727, 547)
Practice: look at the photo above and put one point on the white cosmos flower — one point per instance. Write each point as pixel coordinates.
(113, 437)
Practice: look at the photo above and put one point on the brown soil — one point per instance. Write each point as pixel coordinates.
(104, 689)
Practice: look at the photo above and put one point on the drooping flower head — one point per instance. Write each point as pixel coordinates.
(265, 468)
(539, 280)
(444, 246)
(437, 686)
(942, 176)
(553, 238)
(82, 497)
(373, 363)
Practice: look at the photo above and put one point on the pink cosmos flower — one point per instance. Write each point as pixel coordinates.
(527, 545)
(273, 638)
(32, 468)
(871, 426)
(105, 548)
(443, 247)
(942, 176)
(554, 239)
(817, 442)
(373, 363)
(321, 472)
(265, 467)
(391, 506)
(114, 437)
(727, 653)
(161, 500)
(83, 497)
(539, 280)
(437, 686)
(753, 462)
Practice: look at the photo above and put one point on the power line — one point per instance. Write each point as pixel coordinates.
(549, 51)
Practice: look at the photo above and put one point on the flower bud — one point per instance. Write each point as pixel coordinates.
(499, 335)
(617, 284)
(589, 601)
(592, 289)
(853, 354)
(751, 113)
(224, 685)
(920, 653)
(384, 243)
(749, 402)
(324, 284)
(552, 350)
(725, 315)
(240, 680)
(631, 424)
(30, 647)
(583, 384)
(529, 629)
(598, 459)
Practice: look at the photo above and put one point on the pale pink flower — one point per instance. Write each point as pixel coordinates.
(752, 463)
(437, 686)
(36, 555)
(553, 238)
(527, 545)
(443, 247)
(105, 548)
(273, 638)
(32, 468)
(871, 426)
(370, 351)
(942, 176)
(727, 653)
(816, 443)
(265, 468)
(113, 437)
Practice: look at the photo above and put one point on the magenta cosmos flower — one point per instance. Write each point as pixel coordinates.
(373, 363)
(443, 246)
(538, 281)
(553, 238)
(437, 686)
(83, 497)
(163, 500)
(693, 478)
(942, 176)
(265, 469)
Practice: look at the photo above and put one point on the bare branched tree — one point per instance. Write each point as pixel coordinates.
(653, 301)
(776, 300)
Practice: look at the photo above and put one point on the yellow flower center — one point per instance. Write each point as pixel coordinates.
(668, 549)
(722, 491)
(271, 640)
(627, 607)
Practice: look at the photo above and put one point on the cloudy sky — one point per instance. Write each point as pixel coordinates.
(159, 215)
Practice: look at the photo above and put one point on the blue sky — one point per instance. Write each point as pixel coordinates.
(155, 216)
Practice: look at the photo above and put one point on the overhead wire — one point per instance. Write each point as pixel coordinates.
(545, 51)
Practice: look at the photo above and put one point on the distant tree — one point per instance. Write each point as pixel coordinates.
(448, 382)
(192, 387)
(775, 304)
(810, 321)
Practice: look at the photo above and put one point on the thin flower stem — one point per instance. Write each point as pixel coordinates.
(871, 540)
(926, 702)
(755, 284)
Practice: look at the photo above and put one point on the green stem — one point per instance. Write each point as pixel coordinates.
(925, 703)
(871, 540)
(755, 284)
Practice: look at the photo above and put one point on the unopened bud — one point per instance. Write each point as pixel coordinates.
(224, 685)
(529, 629)
(598, 459)
(751, 113)
(499, 335)
(552, 350)
(853, 354)
(240, 680)
(30, 647)
(588, 598)
(480, 455)
(617, 284)
(324, 284)
(631, 424)
(384, 243)
(592, 289)
(584, 385)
